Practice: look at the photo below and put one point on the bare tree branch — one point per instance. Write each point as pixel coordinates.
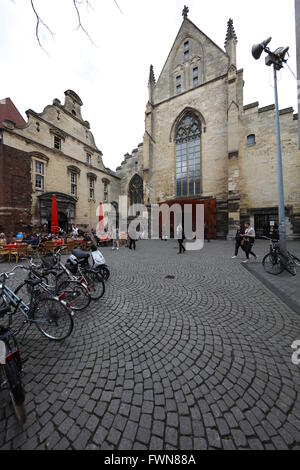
(80, 26)
(37, 29)
(76, 4)
(118, 6)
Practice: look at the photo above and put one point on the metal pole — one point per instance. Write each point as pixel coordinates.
(281, 206)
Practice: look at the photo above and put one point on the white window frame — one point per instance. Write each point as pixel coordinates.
(92, 189)
(74, 184)
(105, 192)
(39, 175)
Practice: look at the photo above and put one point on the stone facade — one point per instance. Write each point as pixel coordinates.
(64, 160)
(237, 145)
(297, 11)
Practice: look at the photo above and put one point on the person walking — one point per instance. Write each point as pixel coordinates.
(239, 241)
(181, 238)
(116, 237)
(206, 233)
(249, 237)
(132, 240)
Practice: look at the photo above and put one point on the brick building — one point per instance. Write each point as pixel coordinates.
(15, 180)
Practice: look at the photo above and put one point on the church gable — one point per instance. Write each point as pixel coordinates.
(194, 60)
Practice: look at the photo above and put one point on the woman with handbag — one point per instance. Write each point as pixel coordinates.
(249, 237)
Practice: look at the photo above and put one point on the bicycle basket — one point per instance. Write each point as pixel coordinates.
(49, 262)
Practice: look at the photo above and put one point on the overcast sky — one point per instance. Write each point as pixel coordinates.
(112, 77)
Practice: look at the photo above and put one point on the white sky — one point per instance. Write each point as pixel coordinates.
(112, 78)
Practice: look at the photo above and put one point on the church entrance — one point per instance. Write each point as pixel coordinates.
(210, 214)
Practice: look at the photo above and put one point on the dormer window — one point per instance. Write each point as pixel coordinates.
(74, 112)
(88, 158)
(57, 143)
(178, 84)
(186, 50)
(195, 76)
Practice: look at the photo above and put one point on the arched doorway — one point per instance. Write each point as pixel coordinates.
(63, 222)
(66, 210)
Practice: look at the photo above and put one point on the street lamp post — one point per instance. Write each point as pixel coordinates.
(276, 59)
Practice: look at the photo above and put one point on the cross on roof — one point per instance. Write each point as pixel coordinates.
(185, 12)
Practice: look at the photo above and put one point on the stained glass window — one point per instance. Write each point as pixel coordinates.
(188, 156)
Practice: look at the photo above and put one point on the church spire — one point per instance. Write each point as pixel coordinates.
(152, 76)
(231, 42)
(151, 84)
(231, 34)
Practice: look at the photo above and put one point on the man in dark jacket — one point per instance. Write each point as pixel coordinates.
(239, 240)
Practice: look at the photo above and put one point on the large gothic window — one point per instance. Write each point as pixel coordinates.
(188, 156)
(136, 190)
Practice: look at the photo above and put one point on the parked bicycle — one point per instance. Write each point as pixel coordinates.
(78, 265)
(11, 367)
(50, 314)
(275, 262)
(59, 281)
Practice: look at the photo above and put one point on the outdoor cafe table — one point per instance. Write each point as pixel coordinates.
(13, 246)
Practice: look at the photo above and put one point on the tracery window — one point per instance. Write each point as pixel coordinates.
(136, 190)
(188, 156)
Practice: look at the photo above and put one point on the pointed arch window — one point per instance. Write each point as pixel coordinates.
(188, 156)
(136, 190)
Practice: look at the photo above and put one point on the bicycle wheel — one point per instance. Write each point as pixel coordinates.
(53, 318)
(273, 264)
(104, 272)
(77, 295)
(96, 284)
(23, 291)
(297, 261)
(17, 392)
(291, 266)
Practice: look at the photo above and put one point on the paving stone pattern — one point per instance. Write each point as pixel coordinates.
(285, 286)
(200, 361)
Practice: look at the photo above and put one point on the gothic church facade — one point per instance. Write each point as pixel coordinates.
(202, 144)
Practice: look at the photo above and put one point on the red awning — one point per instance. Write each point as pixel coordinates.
(54, 217)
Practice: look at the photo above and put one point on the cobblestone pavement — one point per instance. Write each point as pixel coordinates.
(285, 286)
(185, 352)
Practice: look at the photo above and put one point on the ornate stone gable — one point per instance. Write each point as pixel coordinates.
(191, 49)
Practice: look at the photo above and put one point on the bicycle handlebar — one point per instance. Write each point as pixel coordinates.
(11, 273)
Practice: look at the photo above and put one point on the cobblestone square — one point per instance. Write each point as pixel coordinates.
(184, 352)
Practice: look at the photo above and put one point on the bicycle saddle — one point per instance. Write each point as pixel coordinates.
(81, 255)
(33, 282)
